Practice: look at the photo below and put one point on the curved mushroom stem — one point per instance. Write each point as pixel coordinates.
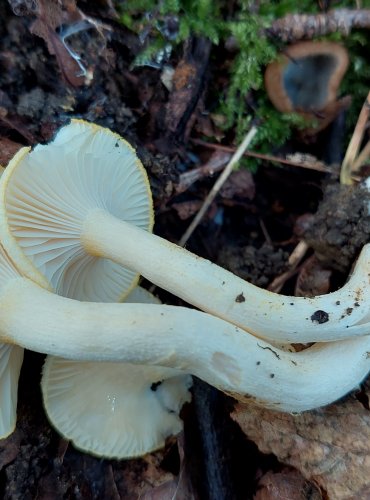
(213, 289)
(11, 358)
(178, 338)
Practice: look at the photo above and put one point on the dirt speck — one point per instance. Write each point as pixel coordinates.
(320, 317)
(257, 265)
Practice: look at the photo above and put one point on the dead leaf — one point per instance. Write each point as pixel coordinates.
(176, 489)
(307, 160)
(187, 209)
(329, 446)
(64, 15)
(49, 17)
(287, 484)
(8, 149)
(313, 279)
(240, 184)
(178, 115)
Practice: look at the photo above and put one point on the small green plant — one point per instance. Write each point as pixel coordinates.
(245, 26)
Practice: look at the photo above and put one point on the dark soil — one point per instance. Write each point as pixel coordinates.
(253, 237)
(340, 227)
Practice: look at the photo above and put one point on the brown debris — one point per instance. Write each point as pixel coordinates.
(51, 15)
(8, 149)
(341, 226)
(299, 161)
(240, 184)
(329, 446)
(188, 82)
(186, 209)
(9, 448)
(216, 162)
(179, 488)
(286, 484)
(257, 265)
(295, 27)
(313, 279)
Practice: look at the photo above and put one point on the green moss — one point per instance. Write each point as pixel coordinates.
(214, 20)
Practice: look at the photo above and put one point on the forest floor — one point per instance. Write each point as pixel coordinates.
(251, 228)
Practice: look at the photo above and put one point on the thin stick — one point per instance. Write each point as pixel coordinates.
(355, 143)
(294, 27)
(361, 158)
(218, 184)
(295, 258)
(314, 166)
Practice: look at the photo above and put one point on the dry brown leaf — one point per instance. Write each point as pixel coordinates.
(313, 279)
(8, 149)
(241, 184)
(329, 446)
(49, 16)
(175, 489)
(186, 209)
(286, 484)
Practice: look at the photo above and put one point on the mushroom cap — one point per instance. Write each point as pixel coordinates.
(11, 358)
(118, 410)
(44, 206)
(113, 410)
(307, 76)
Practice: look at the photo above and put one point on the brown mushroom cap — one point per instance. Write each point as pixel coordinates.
(306, 77)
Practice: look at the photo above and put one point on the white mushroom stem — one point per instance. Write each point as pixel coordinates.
(211, 288)
(56, 203)
(188, 340)
(11, 358)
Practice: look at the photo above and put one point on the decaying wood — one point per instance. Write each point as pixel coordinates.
(295, 27)
(187, 87)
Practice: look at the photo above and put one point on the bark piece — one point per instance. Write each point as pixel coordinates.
(329, 446)
(295, 27)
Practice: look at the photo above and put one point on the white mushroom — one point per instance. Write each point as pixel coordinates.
(116, 410)
(86, 278)
(11, 358)
(58, 255)
(179, 338)
(66, 199)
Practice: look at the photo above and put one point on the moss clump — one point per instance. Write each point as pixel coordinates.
(244, 25)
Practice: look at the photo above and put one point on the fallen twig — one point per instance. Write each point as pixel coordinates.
(295, 27)
(353, 149)
(295, 258)
(218, 184)
(318, 166)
